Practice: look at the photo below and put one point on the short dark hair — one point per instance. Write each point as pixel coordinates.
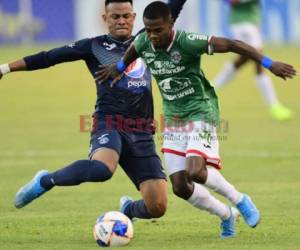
(156, 10)
(107, 2)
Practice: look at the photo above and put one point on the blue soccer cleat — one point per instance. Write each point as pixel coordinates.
(249, 211)
(124, 202)
(228, 225)
(31, 190)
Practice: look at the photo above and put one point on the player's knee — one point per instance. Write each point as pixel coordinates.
(182, 190)
(157, 209)
(99, 172)
(199, 176)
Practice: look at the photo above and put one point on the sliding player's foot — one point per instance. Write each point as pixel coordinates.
(31, 190)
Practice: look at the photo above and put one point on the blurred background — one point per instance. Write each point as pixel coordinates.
(36, 21)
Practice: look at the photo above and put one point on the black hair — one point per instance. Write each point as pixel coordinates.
(156, 10)
(107, 2)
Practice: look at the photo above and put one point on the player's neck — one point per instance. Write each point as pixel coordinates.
(120, 39)
(170, 41)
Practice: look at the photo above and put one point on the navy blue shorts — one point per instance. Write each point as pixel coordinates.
(138, 157)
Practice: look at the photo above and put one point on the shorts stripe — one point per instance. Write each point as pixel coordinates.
(174, 152)
(217, 166)
(194, 151)
(214, 162)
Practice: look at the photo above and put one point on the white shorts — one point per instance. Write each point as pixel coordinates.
(195, 139)
(248, 33)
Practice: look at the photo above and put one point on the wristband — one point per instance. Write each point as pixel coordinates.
(266, 62)
(4, 69)
(121, 66)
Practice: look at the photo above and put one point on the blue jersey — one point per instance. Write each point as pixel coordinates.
(131, 97)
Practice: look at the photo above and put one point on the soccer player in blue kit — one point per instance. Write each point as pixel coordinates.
(132, 146)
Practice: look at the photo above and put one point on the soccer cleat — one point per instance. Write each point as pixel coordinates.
(249, 211)
(280, 113)
(235, 213)
(124, 202)
(31, 190)
(228, 225)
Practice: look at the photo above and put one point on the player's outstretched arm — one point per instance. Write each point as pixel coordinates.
(11, 67)
(280, 69)
(115, 71)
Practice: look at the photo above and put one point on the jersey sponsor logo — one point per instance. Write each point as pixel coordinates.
(174, 85)
(109, 46)
(103, 139)
(176, 56)
(149, 57)
(194, 36)
(136, 69)
(137, 84)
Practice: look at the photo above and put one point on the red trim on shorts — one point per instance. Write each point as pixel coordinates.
(194, 151)
(174, 152)
(207, 158)
(217, 166)
(171, 151)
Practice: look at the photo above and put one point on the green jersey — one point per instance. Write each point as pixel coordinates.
(187, 94)
(246, 11)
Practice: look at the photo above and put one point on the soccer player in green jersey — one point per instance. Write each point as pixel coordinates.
(245, 18)
(191, 148)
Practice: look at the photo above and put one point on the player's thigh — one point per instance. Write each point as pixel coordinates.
(108, 156)
(174, 162)
(174, 149)
(106, 147)
(141, 169)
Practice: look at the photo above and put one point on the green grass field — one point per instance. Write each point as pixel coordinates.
(39, 129)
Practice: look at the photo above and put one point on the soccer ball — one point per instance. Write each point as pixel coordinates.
(113, 229)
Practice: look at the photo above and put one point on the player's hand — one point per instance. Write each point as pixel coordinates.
(107, 72)
(283, 70)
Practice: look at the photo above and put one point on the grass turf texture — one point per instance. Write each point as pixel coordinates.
(39, 128)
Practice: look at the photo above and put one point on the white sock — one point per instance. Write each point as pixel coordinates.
(265, 85)
(224, 76)
(203, 200)
(217, 183)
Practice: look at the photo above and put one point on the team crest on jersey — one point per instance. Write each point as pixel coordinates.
(136, 69)
(109, 46)
(176, 56)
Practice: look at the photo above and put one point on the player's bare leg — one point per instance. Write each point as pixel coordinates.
(153, 204)
(198, 196)
(198, 171)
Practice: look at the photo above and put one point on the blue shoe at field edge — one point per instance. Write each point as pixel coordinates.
(249, 211)
(124, 202)
(228, 225)
(31, 190)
